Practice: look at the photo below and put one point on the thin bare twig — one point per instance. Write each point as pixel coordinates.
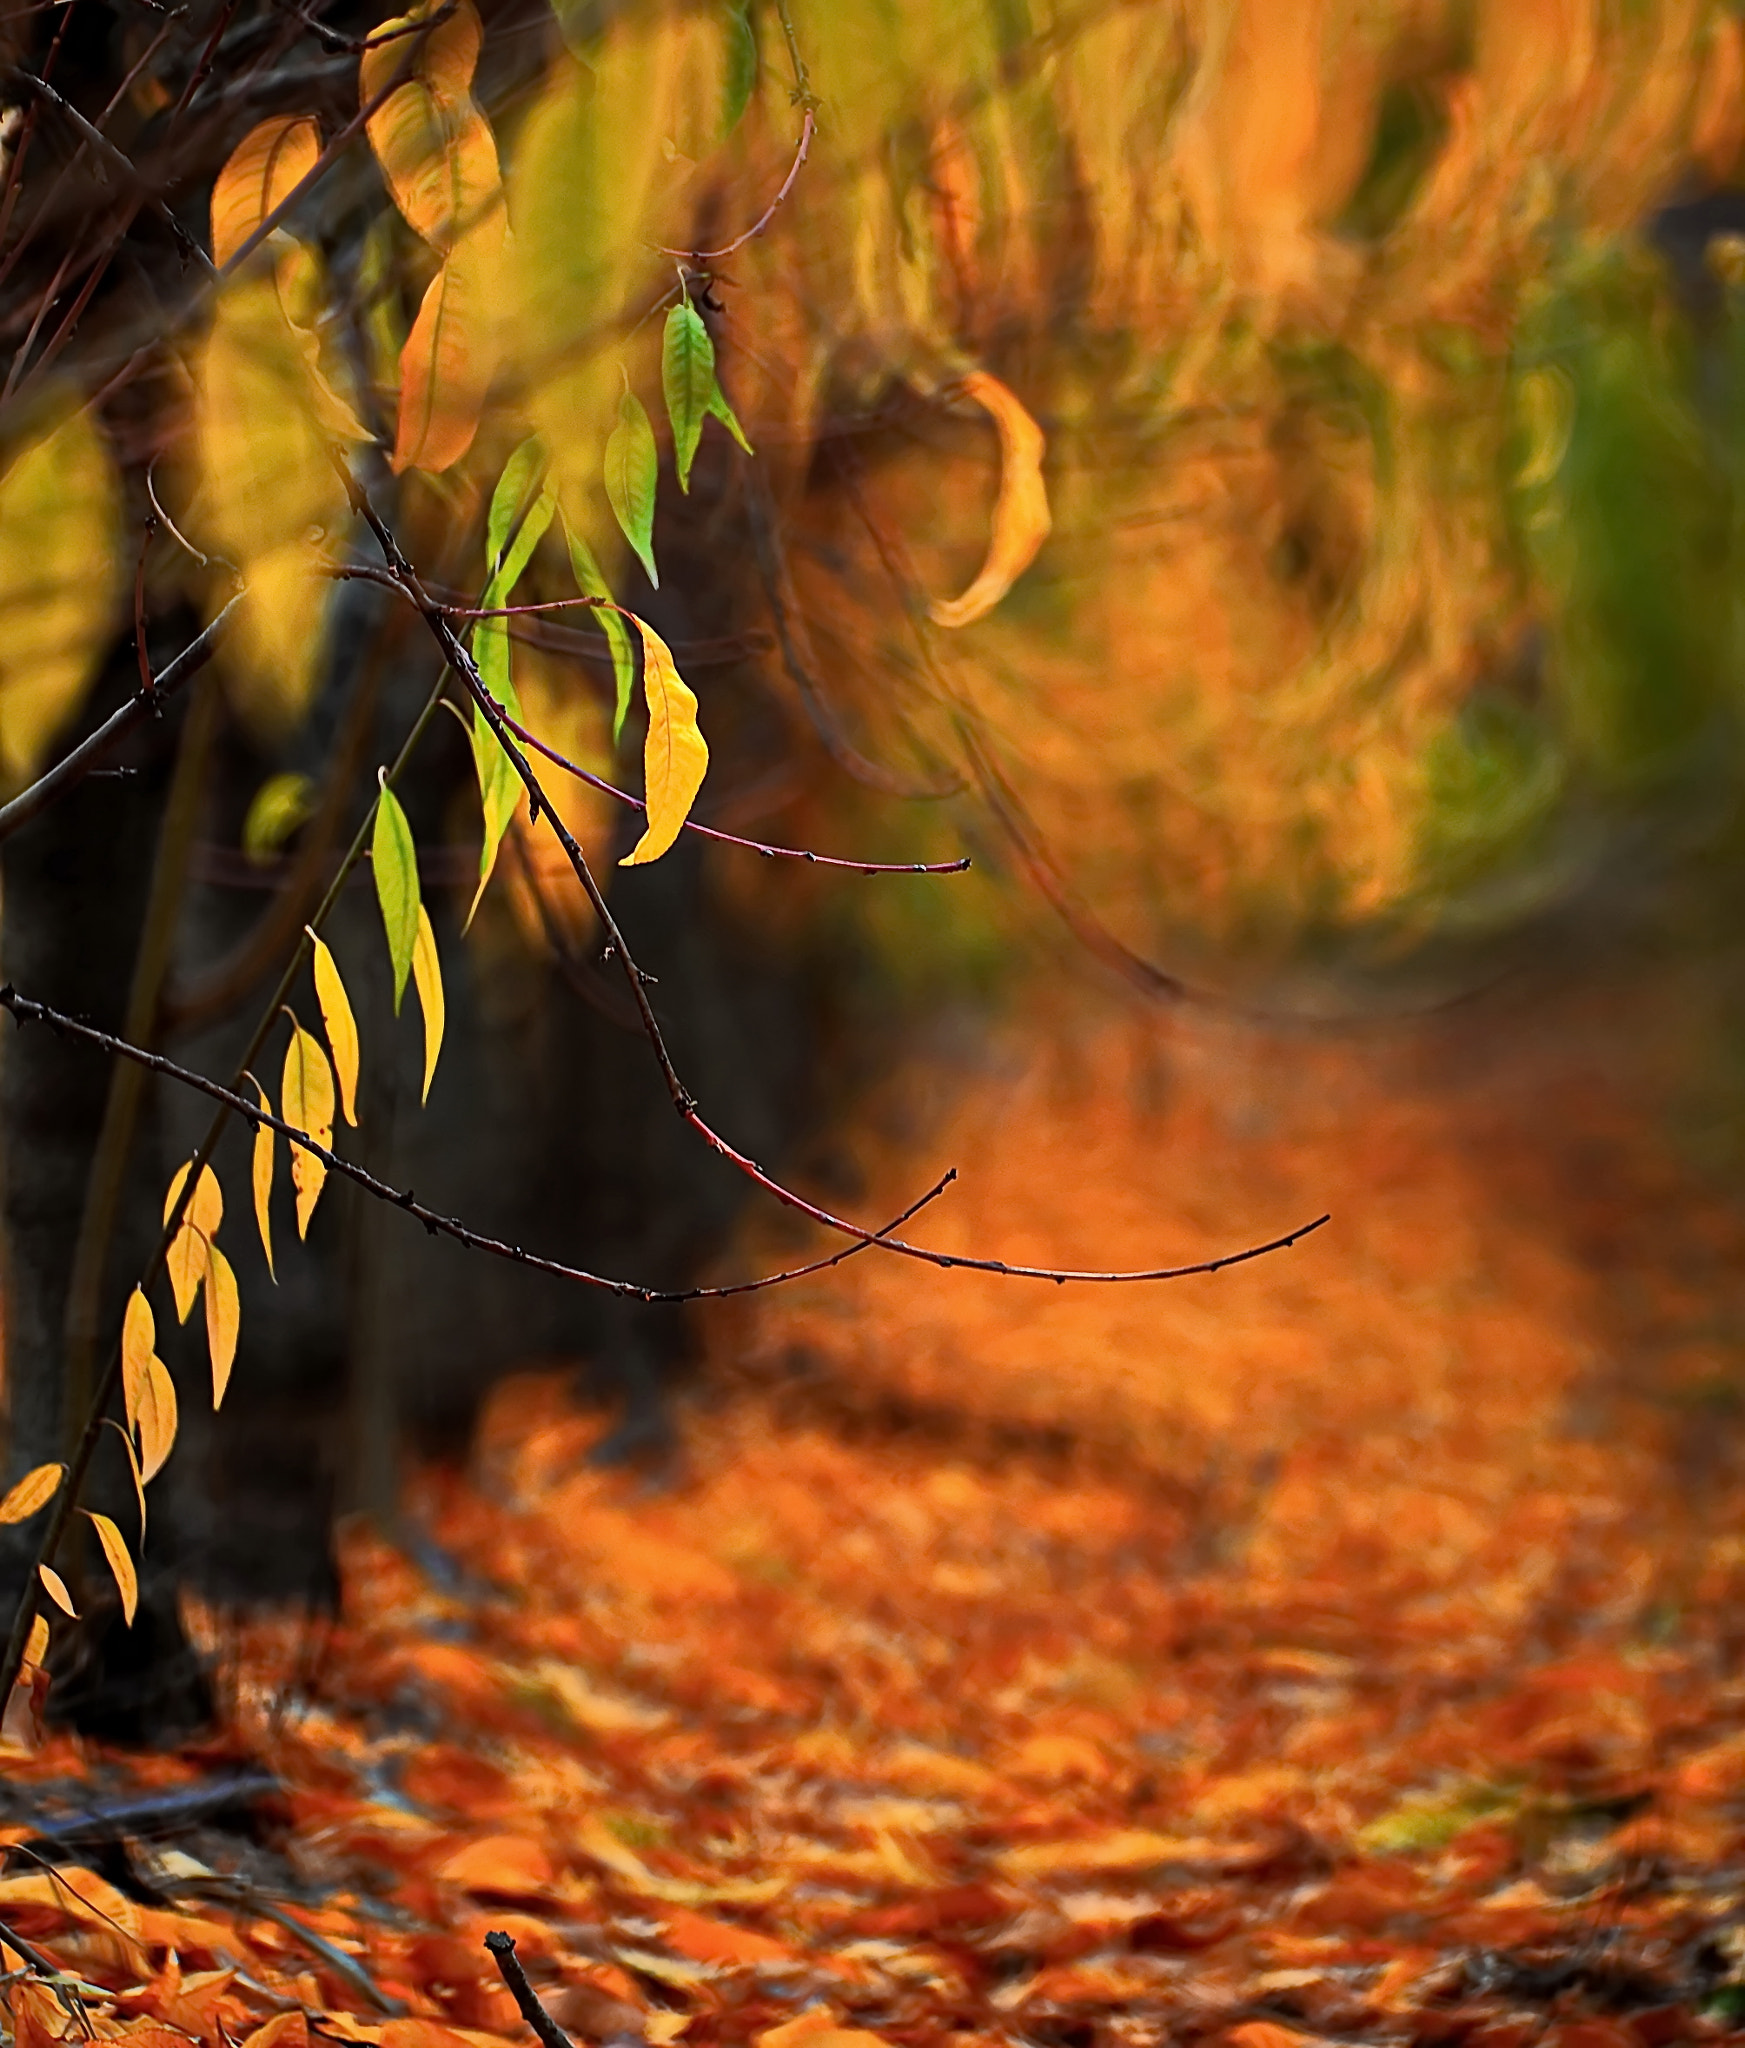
(808, 128)
(551, 2035)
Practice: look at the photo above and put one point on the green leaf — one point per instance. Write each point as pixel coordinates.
(520, 473)
(687, 375)
(591, 583)
(395, 859)
(722, 411)
(279, 807)
(741, 68)
(632, 472)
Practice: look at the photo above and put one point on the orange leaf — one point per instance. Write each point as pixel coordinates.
(35, 1490)
(511, 1866)
(157, 1420)
(450, 356)
(718, 1941)
(675, 755)
(56, 1588)
(1021, 516)
(262, 170)
(120, 1563)
(283, 2030)
(435, 147)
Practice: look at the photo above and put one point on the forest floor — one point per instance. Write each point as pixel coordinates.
(1354, 1650)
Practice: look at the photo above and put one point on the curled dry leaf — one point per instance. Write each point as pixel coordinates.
(265, 167)
(675, 756)
(1021, 516)
(35, 1490)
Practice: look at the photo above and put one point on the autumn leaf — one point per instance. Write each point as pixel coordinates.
(675, 756)
(223, 1322)
(265, 1139)
(186, 1263)
(434, 145)
(341, 1025)
(134, 1472)
(395, 860)
(632, 473)
(451, 354)
(427, 974)
(56, 1587)
(306, 1099)
(138, 1346)
(36, 1649)
(59, 509)
(157, 1419)
(120, 1562)
(35, 1490)
(1021, 515)
(591, 583)
(270, 161)
(687, 375)
(302, 288)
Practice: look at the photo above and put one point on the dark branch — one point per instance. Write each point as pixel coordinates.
(551, 2035)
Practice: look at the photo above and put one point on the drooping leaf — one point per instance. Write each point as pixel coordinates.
(395, 860)
(157, 1419)
(721, 410)
(120, 1563)
(427, 973)
(205, 1210)
(35, 1490)
(306, 1096)
(260, 173)
(591, 583)
(223, 1323)
(302, 285)
(741, 66)
(186, 1263)
(278, 808)
(509, 546)
(56, 1588)
(262, 1174)
(1021, 515)
(451, 355)
(687, 375)
(36, 1648)
(632, 472)
(336, 1015)
(433, 143)
(675, 756)
(58, 559)
(138, 1346)
(138, 1477)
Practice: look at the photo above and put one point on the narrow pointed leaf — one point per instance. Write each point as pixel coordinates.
(721, 410)
(56, 1587)
(1021, 515)
(591, 583)
(120, 1563)
(508, 547)
(687, 375)
(427, 973)
(336, 1014)
(306, 1093)
(395, 860)
(223, 1323)
(675, 756)
(632, 473)
(265, 1142)
(133, 1468)
(186, 1266)
(36, 1649)
(138, 1344)
(35, 1490)
(157, 1419)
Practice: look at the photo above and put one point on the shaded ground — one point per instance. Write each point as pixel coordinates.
(1349, 1648)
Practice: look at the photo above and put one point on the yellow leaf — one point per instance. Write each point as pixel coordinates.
(302, 293)
(341, 1025)
(264, 1140)
(58, 517)
(451, 354)
(120, 1563)
(1021, 517)
(138, 1342)
(306, 1092)
(675, 757)
(435, 147)
(262, 170)
(37, 1648)
(133, 1468)
(223, 1323)
(205, 1210)
(57, 1589)
(35, 1490)
(157, 1420)
(427, 974)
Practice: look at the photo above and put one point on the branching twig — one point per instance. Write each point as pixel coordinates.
(808, 128)
(551, 2035)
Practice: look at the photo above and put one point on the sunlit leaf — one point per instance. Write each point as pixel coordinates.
(451, 354)
(205, 1210)
(138, 1346)
(265, 1140)
(137, 1476)
(278, 808)
(58, 558)
(223, 1323)
(36, 1648)
(265, 166)
(632, 472)
(395, 860)
(427, 973)
(721, 410)
(157, 1419)
(306, 1101)
(186, 1262)
(1021, 515)
(687, 375)
(434, 145)
(591, 583)
(511, 537)
(120, 1563)
(336, 1015)
(35, 1490)
(675, 757)
(56, 1587)
(302, 295)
